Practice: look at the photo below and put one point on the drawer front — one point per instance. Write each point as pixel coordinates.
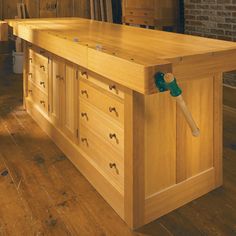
(139, 12)
(103, 83)
(39, 77)
(38, 58)
(110, 105)
(107, 130)
(38, 97)
(139, 20)
(106, 160)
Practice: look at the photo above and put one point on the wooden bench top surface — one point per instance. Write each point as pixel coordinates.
(81, 40)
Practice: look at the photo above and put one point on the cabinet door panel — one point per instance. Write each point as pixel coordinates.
(69, 101)
(58, 73)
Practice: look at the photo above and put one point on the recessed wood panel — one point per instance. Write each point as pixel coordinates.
(195, 154)
(160, 136)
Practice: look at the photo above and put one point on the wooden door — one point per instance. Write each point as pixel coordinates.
(32, 8)
(68, 97)
(57, 75)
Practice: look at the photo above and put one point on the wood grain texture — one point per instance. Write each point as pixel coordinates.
(134, 160)
(195, 155)
(160, 142)
(106, 49)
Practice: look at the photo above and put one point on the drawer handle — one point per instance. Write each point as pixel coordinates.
(84, 140)
(113, 166)
(111, 87)
(84, 74)
(84, 114)
(30, 91)
(30, 60)
(42, 83)
(84, 92)
(42, 102)
(113, 136)
(131, 20)
(30, 74)
(113, 109)
(131, 12)
(42, 67)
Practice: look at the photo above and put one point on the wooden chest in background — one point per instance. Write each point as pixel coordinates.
(155, 13)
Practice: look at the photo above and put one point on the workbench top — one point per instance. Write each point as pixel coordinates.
(145, 48)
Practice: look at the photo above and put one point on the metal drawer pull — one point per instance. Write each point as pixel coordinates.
(84, 73)
(30, 59)
(113, 109)
(42, 102)
(30, 91)
(42, 67)
(84, 140)
(84, 92)
(113, 166)
(84, 114)
(42, 83)
(113, 136)
(111, 87)
(30, 74)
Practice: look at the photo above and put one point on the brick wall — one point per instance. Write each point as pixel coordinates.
(213, 19)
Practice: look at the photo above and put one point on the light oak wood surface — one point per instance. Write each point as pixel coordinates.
(132, 53)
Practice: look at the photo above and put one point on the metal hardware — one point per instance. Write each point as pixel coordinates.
(84, 73)
(84, 92)
(42, 83)
(30, 59)
(30, 74)
(112, 109)
(42, 67)
(84, 140)
(83, 114)
(30, 91)
(42, 102)
(111, 87)
(112, 136)
(113, 166)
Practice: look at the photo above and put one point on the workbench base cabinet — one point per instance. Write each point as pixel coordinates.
(136, 150)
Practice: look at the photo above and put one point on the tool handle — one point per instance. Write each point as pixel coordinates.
(188, 116)
(170, 79)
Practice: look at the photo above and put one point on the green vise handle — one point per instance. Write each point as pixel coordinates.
(165, 82)
(164, 86)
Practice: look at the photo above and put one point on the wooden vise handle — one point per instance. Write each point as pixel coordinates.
(169, 78)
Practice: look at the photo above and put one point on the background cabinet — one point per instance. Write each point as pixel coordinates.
(154, 13)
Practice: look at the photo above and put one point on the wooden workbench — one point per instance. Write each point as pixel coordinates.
(90, 86)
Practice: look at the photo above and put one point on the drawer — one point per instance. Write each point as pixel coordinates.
(111, 105)
(38, 97)
(107, 161)
(39, 58)
(40, 78)
(103, 83)
(107, 130)
(139, 12)
(139, 20)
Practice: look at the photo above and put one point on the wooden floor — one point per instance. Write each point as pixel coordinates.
(41, 192)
